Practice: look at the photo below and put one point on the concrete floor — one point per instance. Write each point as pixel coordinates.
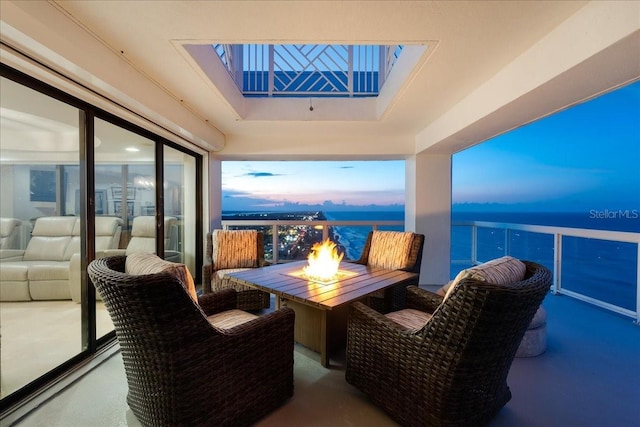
(589, 376)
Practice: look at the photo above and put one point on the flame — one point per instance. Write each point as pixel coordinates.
(323, 261)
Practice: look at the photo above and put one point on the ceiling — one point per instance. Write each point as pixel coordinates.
(468, 44)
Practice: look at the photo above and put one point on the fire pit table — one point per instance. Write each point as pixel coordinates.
(321, 308)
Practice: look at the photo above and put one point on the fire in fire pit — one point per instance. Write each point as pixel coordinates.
(323, 265)
(324, 262)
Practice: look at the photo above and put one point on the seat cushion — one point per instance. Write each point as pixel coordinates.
(219, 281)
(49, 270)
(14, 271)
(220, 274)
(390, 249)
(414, 320)
(141, 263)
(234, 249)
(500, 271)
(230, 318)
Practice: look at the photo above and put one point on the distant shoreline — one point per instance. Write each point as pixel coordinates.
(301, 248)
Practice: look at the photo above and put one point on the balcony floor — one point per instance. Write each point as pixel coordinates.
(589, 376)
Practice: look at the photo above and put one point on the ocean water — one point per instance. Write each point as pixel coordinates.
(354, 238)
(604, 270)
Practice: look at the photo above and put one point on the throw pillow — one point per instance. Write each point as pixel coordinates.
(143, 263)
(234, 249)
(390, 249)
(500, 271)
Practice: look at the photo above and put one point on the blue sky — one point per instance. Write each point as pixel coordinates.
(586, 157)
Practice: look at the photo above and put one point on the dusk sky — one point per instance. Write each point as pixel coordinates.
(586, 157)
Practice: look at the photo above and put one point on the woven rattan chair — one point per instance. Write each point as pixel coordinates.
(393, 250)
(448, 364)
(234, 250)
(181, 370)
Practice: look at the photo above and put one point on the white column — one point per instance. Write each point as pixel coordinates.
(428, 211)
(215, 194)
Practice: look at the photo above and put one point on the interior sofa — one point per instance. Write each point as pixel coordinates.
(142, 239)
(10, 233)
(42, 270)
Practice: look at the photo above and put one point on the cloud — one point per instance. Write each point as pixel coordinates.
(261, 174)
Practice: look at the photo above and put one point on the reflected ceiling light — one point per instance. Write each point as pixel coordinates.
(132, 149)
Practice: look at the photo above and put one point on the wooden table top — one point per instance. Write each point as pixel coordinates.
(278, 279)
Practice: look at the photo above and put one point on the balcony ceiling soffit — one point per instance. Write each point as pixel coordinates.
(469, 43)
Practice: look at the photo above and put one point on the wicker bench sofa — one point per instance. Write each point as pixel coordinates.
(42, 270)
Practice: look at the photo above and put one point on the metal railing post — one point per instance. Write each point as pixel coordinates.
(557, 263)
(474, 244)
(506, 241)
(325, 232)
(274, 243)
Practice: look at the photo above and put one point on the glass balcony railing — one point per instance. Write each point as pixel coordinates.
(596, 266)
(292, 239)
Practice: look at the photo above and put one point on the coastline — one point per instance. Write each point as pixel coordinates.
(349, 240)
(297, 248)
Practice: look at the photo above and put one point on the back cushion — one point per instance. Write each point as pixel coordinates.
(234, 249)
(500, 271)
(9, 233)
(107, 231)
(141, 264)
(143, 235)
(390, 249)
(7, 226)
(50, 238)
(170, 233)
(74, 243)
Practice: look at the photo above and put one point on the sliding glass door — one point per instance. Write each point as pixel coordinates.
(77, 183)
(39, 158)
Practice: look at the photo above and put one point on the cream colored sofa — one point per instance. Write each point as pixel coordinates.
(42, 270)
(10, 233)
(143, 239)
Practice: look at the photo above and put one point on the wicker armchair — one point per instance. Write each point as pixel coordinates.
(234, 250)
(393, 250)
(448, 364)
(183, 371)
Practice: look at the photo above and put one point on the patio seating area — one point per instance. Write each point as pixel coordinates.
(588, 376)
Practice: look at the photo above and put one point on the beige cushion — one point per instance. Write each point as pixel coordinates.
(411, 319)
(230, 318)
(234, 249)
(46, 248)
(500, 271)
(221, 274)
(390, 249)
(141, 263)
(50, 238)
(10, 233)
